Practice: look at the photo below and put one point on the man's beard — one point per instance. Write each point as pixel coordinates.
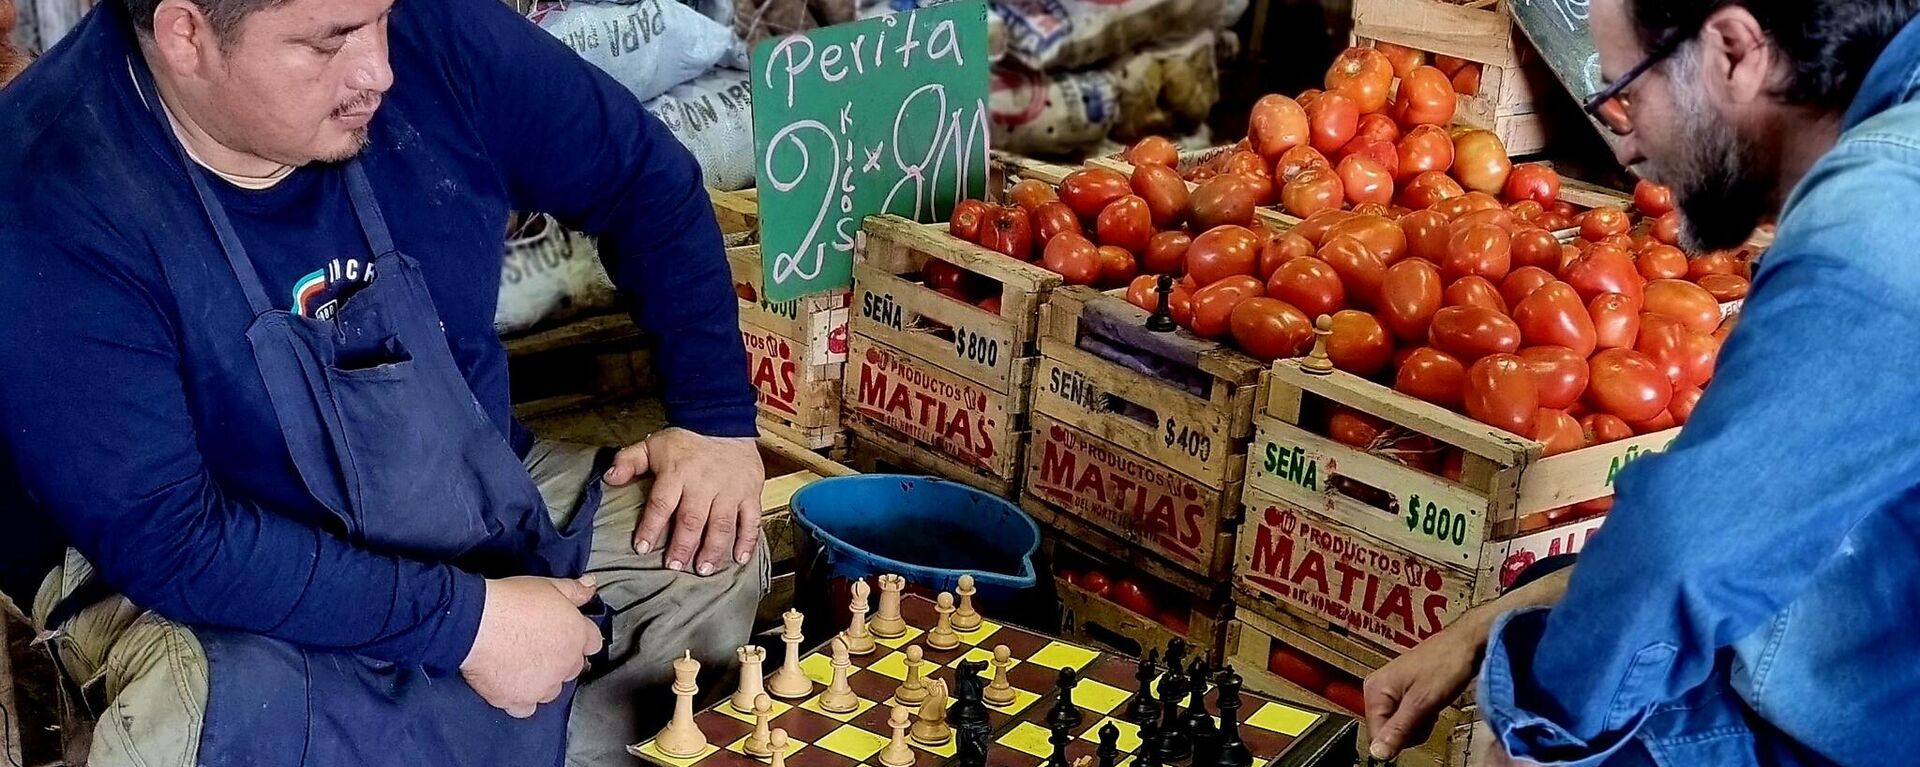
(353, 149)
(1717, 183)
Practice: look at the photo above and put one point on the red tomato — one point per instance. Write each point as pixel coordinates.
(1310, 192)
(1651, 199)
(1526, 211)
(1430, 190)
(1603, 222)
(1627, 384)
(1382, 152)
(1213, 305)
(1604, 270)
(1427, 234)
(1346, 695)
(1475, 290)
(1724, 287)
(1410, 294)
(1154, 150)
(1684, 400)
(1360, 269)
(1167, 253)
(1297, 667)
(1353, 428)
(1701, 355)
(1270, 329)
(1601, 428)
(1382, 235)
(1666, 229)
(1051, 218)
(1424, 148)
(1432, 375)
(1472, 332)
(1245, 162)
(1309, 284)
(1125, 223)
(1425, 98)
(1663, 341)
(1298, 159)
(940, 275)
(1117, 266)
(1553, 222)
(1480, 161)
(1497, 217)
(1661, 422)
(1662, 262)
(1223, 252)
(1499, 392)
(1175, 620)
(1554, 316)
(1365, 180)
(1559, 432)
(1095, 582)
(1275, 125)
(1477, 249)
(1308, 96)
(1558, 373)
(1363, 75)
(1088, 190)
(1533, 182)
(1359, 344)
(1131, 596)
(1282, 248)
(1404, 60)
(1466, 82)
(1008, 230)
(968, 218)
(1521, 283)
(1222, 200)
(1316, 226)
(1683, 302)
(1332, 121)
(1717, 262)
(1616, 321)
(1073, 257)
(1144, 292)
(1180, 305)
(1165, 192)
(1031, 194)
(1378, 127)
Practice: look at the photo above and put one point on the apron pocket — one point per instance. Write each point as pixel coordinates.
(408, 482)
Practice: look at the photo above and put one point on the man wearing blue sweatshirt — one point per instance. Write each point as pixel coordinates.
(1751, 599)
(263, 486)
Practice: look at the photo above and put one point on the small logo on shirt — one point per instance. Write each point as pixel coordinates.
(321, 292)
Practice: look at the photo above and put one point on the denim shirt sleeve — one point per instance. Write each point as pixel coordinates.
(1808, 428)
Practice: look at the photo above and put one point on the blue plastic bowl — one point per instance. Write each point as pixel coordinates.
(929, 531)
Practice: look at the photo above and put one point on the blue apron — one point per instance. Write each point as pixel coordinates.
(387, 436)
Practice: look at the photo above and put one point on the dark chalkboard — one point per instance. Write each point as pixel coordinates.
(1558, 30)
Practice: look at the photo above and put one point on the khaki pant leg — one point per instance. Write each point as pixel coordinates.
(658, 615)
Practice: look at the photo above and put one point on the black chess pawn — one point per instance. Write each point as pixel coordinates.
(1206, 740)
(1152, 741)
(1177, 655)
(1143, 706)
(1063, 707)
(1061, 734)
(1162, 319)
(1174, 744)
(1109, 752)
(1196, 714)
(1233, 750)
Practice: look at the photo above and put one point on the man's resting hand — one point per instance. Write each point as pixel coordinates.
(532, 641)
(708, 488)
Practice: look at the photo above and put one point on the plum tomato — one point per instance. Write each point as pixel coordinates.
(1222, 252)
(1359, 344)
(1426, 97)
(1480, 161)
(1616, 321)
(1074, 257)
(1410, 294)
(1127, 223)
(1651, 199)
(1275, 125)
(1213, 305)
(1270, 329)
(1360, 269)
(1554, 315)
(1310, 192)
(1432, 375)
(1627, 384)
(1008, 230)
(1088, 190)
(1154, 150)
(1499, 392)
(1222, 200)
(1309, 284)
(1165, 192)
(1533, 181)
(1469, 333)
(1558, 373)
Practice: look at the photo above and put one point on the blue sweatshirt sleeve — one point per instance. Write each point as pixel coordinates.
(86, 340)
(570, 141)
(1807, 428)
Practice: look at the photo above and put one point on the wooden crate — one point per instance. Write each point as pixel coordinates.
(1505, 488)
(944, 422)
(873, 451)
(1202, 435)
(1151, 517)
(1098, 620)
(892, 307)
(1251, 640)
(1513, 80)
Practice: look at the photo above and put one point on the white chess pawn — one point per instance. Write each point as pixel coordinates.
(777, 743)
(859, 639)
(757, 743)
(898, 753)
(942, 637)
(965, 618)
(914, 689)
(839, 697)
(1000, 691)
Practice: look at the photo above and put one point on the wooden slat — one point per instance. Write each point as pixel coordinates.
(1476, 34)
(933, 240)
(1589, 195)
(599, 329)
(813, 461)
(738, 212)
(1013, 165)
(929, 322)
(964, 420)
(1093, 386)
(1424, 417)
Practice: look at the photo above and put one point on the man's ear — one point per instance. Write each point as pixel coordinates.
(182, 37)
(1737, 59)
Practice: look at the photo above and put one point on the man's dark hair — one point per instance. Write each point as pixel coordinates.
(1830, 44)
(224, 15)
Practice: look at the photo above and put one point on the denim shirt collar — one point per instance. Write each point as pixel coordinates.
(1892, 79)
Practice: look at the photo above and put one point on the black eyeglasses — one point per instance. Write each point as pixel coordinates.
(1609, 106)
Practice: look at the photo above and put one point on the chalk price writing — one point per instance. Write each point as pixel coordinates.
(881, 308)
(1195, 442)
(974, 347)
(1436, 521)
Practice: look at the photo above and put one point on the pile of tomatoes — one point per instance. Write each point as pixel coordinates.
(1337, 686)
(1128, 593)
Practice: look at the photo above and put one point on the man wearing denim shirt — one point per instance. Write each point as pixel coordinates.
(1752, 598)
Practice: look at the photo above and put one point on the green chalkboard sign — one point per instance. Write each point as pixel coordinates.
(1558, 30)
(885, 115)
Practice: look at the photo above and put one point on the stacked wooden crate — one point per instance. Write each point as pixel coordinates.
(1351, 558)
(1138, 452)
(796, 349)
(1514, 82)
(937, 384)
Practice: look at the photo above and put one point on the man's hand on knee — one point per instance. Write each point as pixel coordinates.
(532, 641)
(706, 488)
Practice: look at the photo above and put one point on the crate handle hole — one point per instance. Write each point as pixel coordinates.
(1144, 362)
(1110, 638)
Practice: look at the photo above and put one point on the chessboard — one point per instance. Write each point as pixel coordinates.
(1277, 734)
